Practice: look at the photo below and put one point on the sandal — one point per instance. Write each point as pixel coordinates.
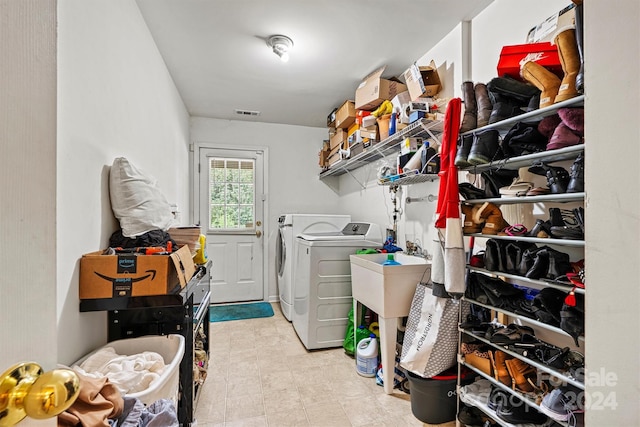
(538, 191)
(516, 189)
(513, 334)
(514, 230)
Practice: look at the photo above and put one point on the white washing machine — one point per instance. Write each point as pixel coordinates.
(322, 292)
(289, 226)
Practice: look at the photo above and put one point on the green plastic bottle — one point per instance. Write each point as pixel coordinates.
(391, 260)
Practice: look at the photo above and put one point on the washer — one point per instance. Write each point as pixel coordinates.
(289, 226)
(322, 291)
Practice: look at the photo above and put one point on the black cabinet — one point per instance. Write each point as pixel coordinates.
(185, 313)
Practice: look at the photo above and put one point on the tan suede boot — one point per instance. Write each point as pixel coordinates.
(500, 371)
(570, 60)
(543, 79)
(491, 216)
(469, 226)
(520, 373)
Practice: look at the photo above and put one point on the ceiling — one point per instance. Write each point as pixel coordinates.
(217, 54)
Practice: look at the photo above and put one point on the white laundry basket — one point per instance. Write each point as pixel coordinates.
(170, 347)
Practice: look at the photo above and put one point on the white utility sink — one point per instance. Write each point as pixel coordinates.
(387, 289)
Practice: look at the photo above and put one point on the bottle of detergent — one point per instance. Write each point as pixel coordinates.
(367, 356)
(391, 260)
(362, 333)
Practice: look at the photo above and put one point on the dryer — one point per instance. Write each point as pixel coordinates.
(322, 292)
(289, 226)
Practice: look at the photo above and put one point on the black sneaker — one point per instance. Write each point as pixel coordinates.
(470, 416)
(515, 411)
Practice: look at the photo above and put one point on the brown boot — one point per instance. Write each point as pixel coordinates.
(521, 372)
(484, 104)
(500, 371)
(543, 79)
(469, 120)
(491, 216)
(570, 60)
(470, 226)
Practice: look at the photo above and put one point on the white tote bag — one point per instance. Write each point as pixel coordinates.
(430, 342)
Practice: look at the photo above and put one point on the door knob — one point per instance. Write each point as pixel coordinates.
(258, 233)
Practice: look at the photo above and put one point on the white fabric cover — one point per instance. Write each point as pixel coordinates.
(137, 201)
(131, 374)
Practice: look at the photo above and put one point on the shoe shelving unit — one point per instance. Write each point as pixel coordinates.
(514, 163)
(423, 128)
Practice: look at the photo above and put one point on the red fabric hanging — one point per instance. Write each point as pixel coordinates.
(448, 196)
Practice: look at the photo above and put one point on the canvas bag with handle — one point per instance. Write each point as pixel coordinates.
(430, 342)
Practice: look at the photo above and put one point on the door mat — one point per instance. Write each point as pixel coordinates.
(223, 313)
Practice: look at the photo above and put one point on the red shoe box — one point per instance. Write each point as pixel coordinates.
(512, 58)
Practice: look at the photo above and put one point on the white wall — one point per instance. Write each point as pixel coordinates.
(612, 46)
(293, 181)
(27, 183)
(115, 98)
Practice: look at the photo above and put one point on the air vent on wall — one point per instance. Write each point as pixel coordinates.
(247, 113)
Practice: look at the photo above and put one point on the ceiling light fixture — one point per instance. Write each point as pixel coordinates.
(280, 45)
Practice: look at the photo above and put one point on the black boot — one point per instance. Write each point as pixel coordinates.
(503, 108)
(557, 177)
(469, 120)
(579, 31)
(484, 104)
(576, 184)
(510, 97)
(485, 147)
(559, 264)
(462, 150)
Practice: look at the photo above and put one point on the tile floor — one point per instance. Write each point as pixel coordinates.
(260, 374)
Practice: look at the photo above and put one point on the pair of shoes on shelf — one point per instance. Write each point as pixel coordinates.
(567, 223)
(477, 106)
(512, 409)
(469, 192)
(513, 333)
(563, 403)
(553, 89)
(512, 372)
(485, 218)
(470, 416)
(478, 148)
(559, 180)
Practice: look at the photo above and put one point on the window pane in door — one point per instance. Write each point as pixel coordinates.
(231, 194)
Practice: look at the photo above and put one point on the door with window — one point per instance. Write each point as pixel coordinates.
(231, 198)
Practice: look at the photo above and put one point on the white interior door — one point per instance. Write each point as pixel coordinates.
(231, 205)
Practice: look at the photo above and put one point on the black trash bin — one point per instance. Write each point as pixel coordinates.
(434, 400)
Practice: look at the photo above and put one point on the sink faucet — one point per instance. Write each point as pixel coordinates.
(414, 248)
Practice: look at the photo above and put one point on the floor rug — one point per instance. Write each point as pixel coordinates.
(223, 313)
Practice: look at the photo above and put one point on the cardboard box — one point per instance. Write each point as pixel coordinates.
(374, 89)
(323, 154)
(351, 133)
(346, 115)
(422, 81)
(370, 132)
(356, 148)
(338, 139)
(513, 57)
(399, 101)
(545, 31)
(333, 158)
(331, 118)
(131, 275)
